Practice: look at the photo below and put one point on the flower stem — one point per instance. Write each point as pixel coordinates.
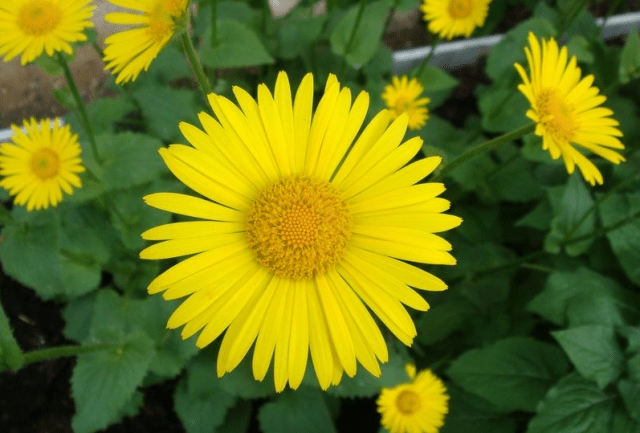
(426, 60)
(352, 37)
(484, 147)
(190, 52)
(80, 106)
(62, 351)
(214, 23)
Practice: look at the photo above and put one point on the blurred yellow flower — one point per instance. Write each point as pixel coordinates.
(29, 27)
(41, 163)
(451, 18)
(567, 109)
(129, 52)
(418, 406)
(403, 96)
(298, 230)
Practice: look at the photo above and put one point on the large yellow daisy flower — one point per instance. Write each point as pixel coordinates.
(567, 109)
(415, 407)
(29, 27)
(131, 51)
(451, 18)
(403, 96)
(41, 163)
(298, 230)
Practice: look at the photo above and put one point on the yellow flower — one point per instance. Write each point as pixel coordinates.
(292, 242)
(40, 164)
(451, 18)
(131, 51)
(29, 27)
(401, 96)
(567, 109)
(415, 407)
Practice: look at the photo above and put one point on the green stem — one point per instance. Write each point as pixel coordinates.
(62, 351)
(196, 66)
(390, 17)
(352, 37)
(598, 202)
(484, 147)
(631, 218)
(80, 105)
(214, 23)
(426, 60)
(97, 48)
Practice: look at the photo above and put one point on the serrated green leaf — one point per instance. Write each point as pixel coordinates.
(237, 46)
(500, 372)
(593, 351)
(630, 58)
(470, 413)
(576, 201)
(303, 410)
(437, 84)
(564, 289)
(200, 404)
(574, 405)
(129, 159)
(103, 382)
(369, 29)
(10, 353)
(625, 240)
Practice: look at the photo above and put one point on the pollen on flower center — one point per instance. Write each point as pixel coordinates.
(556, 115)
(408, 402)
(162, 19)
(39, 17)
(299, 227)
(460, 8)
(45, 163)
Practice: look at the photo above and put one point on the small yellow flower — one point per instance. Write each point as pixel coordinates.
(41, 163)
(29, 27)
(403, 96)
(303, 227)
(418, 406)
(131, 51)
(451, 18)
(567, 109)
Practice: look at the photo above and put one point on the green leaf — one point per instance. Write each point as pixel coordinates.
(576, 201)
(514, 180)
(199, 403)
(129, 159)
(49, 65)
(170, 64)
(237, 46)
(538, 218)
(104, 113)
(441, 321)
(625, 240)
(303, 410)
(103, 382)
(574, 405)
(237, 419)
(297, 32)
(499, 373)
(579, 46)
(577, 298)
(502, 107)
(77, 316)
(469, 413)
(594, 352)
(364, 384)
(437, 84)
(163, 108)
(64, 96)
(240, 382)
(10, 353)
(369, 29)
(630, 58)
(630, 392)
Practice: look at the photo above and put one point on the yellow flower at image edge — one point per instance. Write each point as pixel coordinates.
(403, 96)
(293, 243)
(129, 52)
(41, 163)
(29, 27)
(415, 407)
(451, 18)
(567, 109)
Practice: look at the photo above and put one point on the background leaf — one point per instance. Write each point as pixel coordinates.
(237, 46)
(303, 410)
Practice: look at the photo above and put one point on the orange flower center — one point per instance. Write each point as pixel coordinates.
(408, 402)
(162, 18)
(556, 115)
(299, 227)
(459, 9)
(39, 17)
(45, 163)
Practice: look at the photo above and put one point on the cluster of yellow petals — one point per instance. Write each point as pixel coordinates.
(451, 18)
(403, 96)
